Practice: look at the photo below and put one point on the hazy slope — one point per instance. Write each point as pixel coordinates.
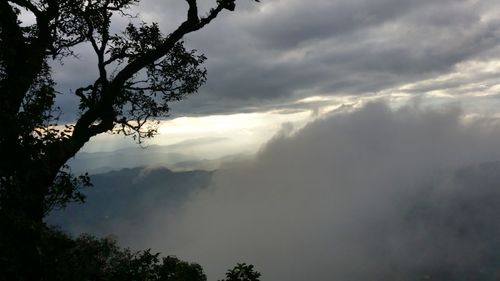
(120, 201)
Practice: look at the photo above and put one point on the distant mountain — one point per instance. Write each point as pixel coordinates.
(99, 162)
(120, 200)
(154, 155)
(448, 231)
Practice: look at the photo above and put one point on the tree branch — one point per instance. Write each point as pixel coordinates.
(84, 128)
(191, 24)
(27, 5)
(192, 11)
(81, 95)
(23, 61)
(13, 86)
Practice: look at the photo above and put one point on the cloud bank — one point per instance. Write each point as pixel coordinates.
(372, 194)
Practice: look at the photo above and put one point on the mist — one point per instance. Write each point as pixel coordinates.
(368, 194)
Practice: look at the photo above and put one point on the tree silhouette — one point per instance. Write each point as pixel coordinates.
(139, 71)
(89, 258)
(242, 272)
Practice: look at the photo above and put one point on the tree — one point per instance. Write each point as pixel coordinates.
(89, 258)
(242, 272)
(149, 70)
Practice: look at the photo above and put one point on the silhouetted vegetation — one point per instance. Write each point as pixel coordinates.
(139, 71)
(242, 272)
(89, 258)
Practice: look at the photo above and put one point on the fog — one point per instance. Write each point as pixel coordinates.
(367, 194)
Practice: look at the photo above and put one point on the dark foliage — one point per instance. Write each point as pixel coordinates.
(242, 272)
(88, 258)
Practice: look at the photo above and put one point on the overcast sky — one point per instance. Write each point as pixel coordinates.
(267, 55)
(308, 57)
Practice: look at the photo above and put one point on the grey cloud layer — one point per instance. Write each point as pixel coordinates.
(375, 193)
(278, 50)
(297, 48)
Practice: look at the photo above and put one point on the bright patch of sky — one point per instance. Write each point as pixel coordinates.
(228, 134)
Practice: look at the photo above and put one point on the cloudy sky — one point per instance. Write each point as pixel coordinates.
(304, 56)
(356, 110)
(277, 52)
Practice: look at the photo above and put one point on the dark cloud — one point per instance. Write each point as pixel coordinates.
(274, 51)
(290, 49)
(293, 23)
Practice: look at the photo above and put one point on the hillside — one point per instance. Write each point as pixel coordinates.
(120, 201)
